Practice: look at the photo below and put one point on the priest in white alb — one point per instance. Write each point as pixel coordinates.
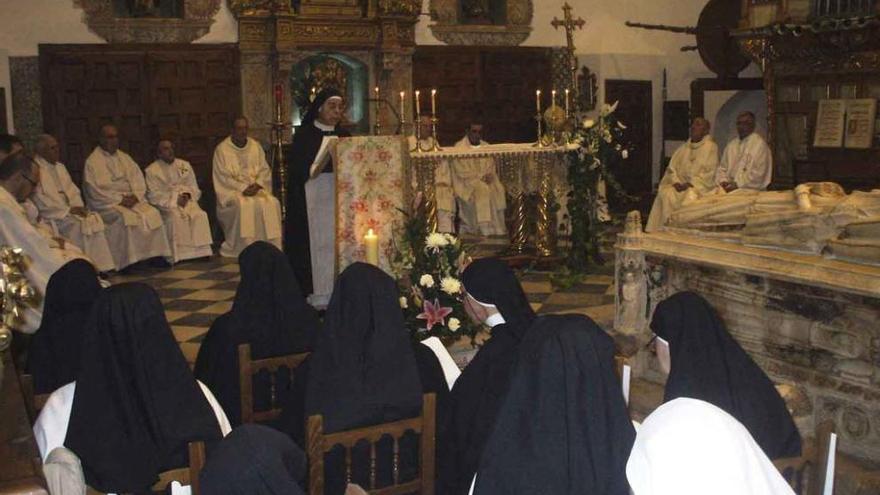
(747, 162)
(443, 194)
(114, 186)
(61, 207)
(246, 208)
(18, 178)
(689, 176)
(480, 195)
(172, 188)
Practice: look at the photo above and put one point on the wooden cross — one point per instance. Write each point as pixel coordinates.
(569, 24)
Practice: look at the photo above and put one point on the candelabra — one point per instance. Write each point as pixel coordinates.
(418, 129)
(540, 142)
(279, 126)
(434, 122)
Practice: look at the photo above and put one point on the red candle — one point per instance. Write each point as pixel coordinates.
(278, 93)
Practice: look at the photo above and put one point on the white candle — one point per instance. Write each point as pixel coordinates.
(553, 98)
(418, 103)
(434, 102)
(538, 100)
(566, 102)
(402, 107)
(371, 246)
(376, 90)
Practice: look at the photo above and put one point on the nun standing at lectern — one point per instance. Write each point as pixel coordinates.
(309, 232)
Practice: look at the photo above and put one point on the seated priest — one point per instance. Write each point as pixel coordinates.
(114, 186)
(18, 178)
(246, 208)
(747, 162)
(480, 195)
(310, 230)
(61, 207)
(172, 188)
(443, 194)
(690, 175)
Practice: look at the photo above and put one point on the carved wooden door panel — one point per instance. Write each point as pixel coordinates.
(85, 87)
(194, 95)
(493, 86)
(634, 109)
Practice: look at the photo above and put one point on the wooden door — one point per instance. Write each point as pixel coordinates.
(188, 93)
(634, 109)
(491, 85)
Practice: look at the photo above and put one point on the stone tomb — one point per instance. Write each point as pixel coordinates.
(810, 322)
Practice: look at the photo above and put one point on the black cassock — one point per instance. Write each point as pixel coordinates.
(303, 149)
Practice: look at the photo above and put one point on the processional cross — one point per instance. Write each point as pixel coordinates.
(569, 23)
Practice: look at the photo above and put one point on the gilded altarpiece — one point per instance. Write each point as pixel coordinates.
(275, 38)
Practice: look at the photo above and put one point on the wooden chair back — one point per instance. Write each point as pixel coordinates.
(33, 402)
(188, 475)
(806, 474)
(248, 367)
(320, 443)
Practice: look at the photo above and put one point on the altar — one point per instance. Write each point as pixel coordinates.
(535, 181)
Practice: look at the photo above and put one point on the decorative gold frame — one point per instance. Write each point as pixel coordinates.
(198, 17)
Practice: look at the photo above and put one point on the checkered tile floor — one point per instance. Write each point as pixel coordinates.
(195, 293)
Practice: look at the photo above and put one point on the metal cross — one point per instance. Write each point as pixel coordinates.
(569, 23)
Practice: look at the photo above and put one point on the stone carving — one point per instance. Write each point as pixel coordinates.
(198, 15)
(453, 30)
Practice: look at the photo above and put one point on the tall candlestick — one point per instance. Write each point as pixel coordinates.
(377, 127)
(418, 103)
(434, 102)
(538, 100)
(371, 247)
(553, 98)
(376, 90)
(314, 93)
(402, 107)
(566, 103)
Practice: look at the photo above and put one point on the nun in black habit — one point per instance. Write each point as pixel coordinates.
(271, 314)
(135, 404)
(254, 460)
(53, 354)
(709, 365)
(362, 372)
(495, 297)
(563, 427)
(318, 122)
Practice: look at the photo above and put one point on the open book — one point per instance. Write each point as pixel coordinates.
(322, 158)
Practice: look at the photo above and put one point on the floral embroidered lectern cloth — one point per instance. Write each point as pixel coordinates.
(371, 191)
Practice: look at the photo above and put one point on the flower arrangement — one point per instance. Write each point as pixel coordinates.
(428, 266)
(598, 150)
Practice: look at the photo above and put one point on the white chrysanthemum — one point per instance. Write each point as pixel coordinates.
(588, 123)
(436, 240)
(454, 324)
(426, 280)
(450, 285)
(403, 302)
(451, 239)
(624, 154)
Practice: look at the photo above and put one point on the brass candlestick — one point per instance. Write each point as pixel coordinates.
(540, 142)
(434, 121)
(418, 126)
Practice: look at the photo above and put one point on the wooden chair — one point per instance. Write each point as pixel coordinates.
(806, 474)
(32, 402)
(319, 443)
(248, 367)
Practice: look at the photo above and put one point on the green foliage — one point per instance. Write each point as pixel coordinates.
(599, 150)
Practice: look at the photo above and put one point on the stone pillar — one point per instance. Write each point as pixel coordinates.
(257, 94)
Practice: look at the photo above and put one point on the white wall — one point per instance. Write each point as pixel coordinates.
(58, 21)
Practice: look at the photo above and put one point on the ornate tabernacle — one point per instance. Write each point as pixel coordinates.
(525, 171)
(356, 45)
(809, 321)
(810, 51)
